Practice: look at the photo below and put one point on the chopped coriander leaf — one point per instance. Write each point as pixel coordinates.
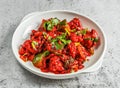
(73, 30)
(64, 41)
(87, 38)
(63, 22)
(63, 35)
(68, 41)
(59, 46)
(46, 53)
(54, 40)
(46, 24)
(49, 27)
(92, 39)
(83, 32)
(96, 39)
(54, 21)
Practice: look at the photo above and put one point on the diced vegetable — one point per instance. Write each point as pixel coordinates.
(77, 43)
(67, 31)
(39, 57)
(34, 44)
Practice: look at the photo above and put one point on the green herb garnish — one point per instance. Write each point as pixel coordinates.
(63, 22)
(96, 39)
(59, 46)
(83, 32)
(48, 25)
(92, 39)
(55, 21)
(63, 40)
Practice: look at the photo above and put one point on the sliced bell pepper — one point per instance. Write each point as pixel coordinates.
(67, 29)
(37, 61)
(34, 43)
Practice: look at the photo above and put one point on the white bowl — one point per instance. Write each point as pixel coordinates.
(30, 22)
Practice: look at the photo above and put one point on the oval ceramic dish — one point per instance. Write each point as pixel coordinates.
(32, 20)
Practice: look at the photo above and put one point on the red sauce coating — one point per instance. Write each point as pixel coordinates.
(59, 46)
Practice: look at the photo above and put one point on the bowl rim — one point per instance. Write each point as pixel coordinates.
(47, 75)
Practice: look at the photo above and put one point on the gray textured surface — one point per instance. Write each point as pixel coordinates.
(105, 12)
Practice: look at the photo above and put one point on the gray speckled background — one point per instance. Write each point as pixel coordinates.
(105, 12)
